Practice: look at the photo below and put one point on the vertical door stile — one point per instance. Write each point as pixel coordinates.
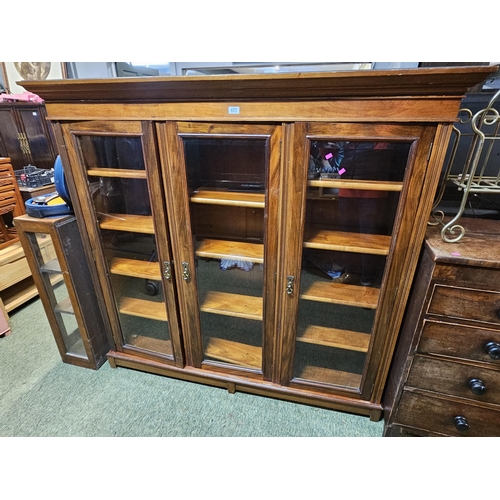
(271, 252)
(77, 184)
(176, 194)
(162, 233)
(293, 214)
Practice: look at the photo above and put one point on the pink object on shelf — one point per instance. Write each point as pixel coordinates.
(25, 96)
(341, 171)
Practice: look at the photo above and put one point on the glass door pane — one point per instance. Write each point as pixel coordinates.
(56, 292)
(227, 179)
(352, 198)
(118, 184)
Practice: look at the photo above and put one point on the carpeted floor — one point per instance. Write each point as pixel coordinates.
(42, 396)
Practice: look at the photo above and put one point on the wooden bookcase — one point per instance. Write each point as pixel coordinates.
(227, 252)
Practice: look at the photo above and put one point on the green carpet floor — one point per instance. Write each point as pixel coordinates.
(42, 396)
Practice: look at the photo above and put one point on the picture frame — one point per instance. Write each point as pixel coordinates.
(16, 71)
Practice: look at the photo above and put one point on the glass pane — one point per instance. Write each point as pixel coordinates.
(117, 179)
(57, 294)
(353, 194)
(226, 179)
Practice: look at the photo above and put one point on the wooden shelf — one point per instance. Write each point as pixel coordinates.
(117, 172)
(23, 291)
(135, 268)
(332, 337)
(64, 306)
(328, 376)
(230, 198)
(236, 353)
(231, 304)
(151, 344)
(143, 308)
(340, 293)
(221, 249)
(52, 266)
(356, 184)
(127, 222)
(323, 239)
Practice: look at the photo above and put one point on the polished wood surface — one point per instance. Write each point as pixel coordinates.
(219, 249)
(192, 222)
(443, 369)
(375, 244)
(127, 222)
(310, 86)
(230, 304)
(212, 197)
(337, 293)
(26, 135)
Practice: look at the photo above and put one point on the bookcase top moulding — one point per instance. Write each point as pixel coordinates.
(419, 82)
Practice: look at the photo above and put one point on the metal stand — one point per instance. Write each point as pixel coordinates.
(484, 125)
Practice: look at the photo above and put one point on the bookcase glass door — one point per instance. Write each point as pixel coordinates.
(118, 183)
(352, 198)
(69, 335)
(227, 180)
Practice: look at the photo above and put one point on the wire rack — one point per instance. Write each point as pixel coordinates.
(482, 130)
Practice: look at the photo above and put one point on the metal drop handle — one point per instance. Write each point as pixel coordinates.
(167, 270)
(185, 271)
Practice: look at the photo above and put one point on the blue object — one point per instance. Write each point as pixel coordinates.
(60, 181)
(38, 205)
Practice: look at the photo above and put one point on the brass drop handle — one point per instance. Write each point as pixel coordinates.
(289, 284)
(167, 270)
(185, 271)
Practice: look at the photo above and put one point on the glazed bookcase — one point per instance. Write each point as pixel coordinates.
(258, 233)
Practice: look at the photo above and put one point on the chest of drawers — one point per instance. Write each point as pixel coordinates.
(445, 378)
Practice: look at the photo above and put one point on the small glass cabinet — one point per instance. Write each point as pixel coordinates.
(66, 289)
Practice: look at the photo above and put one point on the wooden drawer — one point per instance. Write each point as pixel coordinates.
(471, 276)
(7, 198)
(436, 415)
(14, 266)
(452, 378)
(465, 303)
(13, 272)
(462, 342)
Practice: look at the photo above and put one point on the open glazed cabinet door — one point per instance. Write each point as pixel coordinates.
(222, 188)
(116, 176)
(352, 205)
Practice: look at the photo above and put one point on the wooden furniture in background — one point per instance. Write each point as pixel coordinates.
(205, 218)
(11, 203)
(16, 282)
(25, 136)
(66, 290)
(445, 378)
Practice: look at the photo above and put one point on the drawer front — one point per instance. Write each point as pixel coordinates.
(438, 415)
(464, 303)
(8, 198)
(451, 378)
(469, 276)
(463, 342)
(14, 272)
